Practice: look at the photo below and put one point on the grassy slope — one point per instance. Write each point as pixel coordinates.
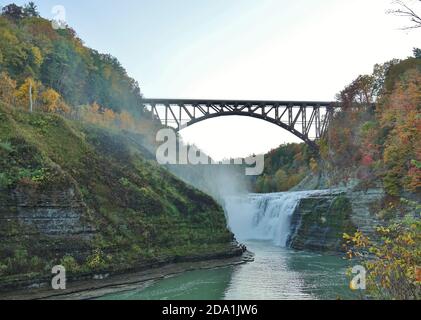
(140, 213)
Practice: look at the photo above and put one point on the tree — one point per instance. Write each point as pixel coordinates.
(400, 118)
(281, 179)
(109, 116)
(13, 11)
(31, 10)
(391, 261)
(406, 11)
(359, 93)
(7, 89)
(35, 57)
(51, 101)
(417, 53)
(29, 89)
(126, 120)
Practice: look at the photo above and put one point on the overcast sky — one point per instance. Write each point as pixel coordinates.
(240, 49)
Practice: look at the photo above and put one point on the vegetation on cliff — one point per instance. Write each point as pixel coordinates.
(392, 261)
(381, 143)
(78, 187)
(130, 210)
(285, 167)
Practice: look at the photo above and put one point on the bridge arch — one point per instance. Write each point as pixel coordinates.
(306, 120)
(305, 139)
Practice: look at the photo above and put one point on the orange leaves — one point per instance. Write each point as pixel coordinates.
(104, 116)
(109, 116)
(7, 89)
(23, 93)
(126, 120)
(401, 114)
(53, 102)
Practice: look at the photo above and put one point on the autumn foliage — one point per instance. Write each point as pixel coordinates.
(391, 260)
(381, 143)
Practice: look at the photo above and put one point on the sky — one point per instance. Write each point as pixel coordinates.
(240, 49)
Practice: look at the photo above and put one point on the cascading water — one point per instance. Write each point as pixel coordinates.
(265, 216)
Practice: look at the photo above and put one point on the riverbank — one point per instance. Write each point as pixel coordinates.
(96, 288)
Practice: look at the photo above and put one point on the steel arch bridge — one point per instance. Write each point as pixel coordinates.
(307, 120)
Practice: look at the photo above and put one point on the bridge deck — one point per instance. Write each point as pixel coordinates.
(237, 102)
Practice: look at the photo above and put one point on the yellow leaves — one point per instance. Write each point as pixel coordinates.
(126, 120)
(391, 264)
(400, 116)
(314, 166)
(96, 260)
(383, 230)
(103, 116)
(109, 115)
(52, 101)
(346, 236)
(407, 238)
(49, 100)
(7, 36)
(36, 55)
(23, 92)
(7, 89)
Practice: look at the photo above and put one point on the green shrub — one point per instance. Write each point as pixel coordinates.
(70, 264)
(6, 146)
(96, 260)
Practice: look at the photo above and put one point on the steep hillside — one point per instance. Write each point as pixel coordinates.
(379, 145)
(89, 199)
(32, 51)
(285, 168)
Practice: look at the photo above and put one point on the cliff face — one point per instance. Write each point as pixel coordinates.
(90, 199)
(51, 212)
(318, 223)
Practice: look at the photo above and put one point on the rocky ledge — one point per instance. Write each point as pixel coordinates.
(319, 222)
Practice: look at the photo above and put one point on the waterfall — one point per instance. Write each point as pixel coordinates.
(265, 216)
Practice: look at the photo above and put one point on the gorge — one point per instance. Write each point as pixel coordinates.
(267, 224)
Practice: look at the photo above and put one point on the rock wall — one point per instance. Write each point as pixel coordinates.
(46, 212)
(318, 223)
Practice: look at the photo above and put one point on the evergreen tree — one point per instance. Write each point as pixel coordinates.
(13, 11)
(417, 53)
(30, 10)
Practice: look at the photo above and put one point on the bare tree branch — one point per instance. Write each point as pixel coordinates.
(406, 11)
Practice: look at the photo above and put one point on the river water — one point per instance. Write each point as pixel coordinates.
(262, 222)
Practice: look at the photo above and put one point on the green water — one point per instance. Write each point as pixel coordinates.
(276, 274)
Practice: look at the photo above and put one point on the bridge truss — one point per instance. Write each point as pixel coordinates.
(308, 120)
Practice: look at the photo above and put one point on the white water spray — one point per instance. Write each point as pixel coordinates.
(265, 216)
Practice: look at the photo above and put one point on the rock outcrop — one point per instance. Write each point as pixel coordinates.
(319, 222)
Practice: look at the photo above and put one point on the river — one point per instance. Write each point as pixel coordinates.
(262, 222)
